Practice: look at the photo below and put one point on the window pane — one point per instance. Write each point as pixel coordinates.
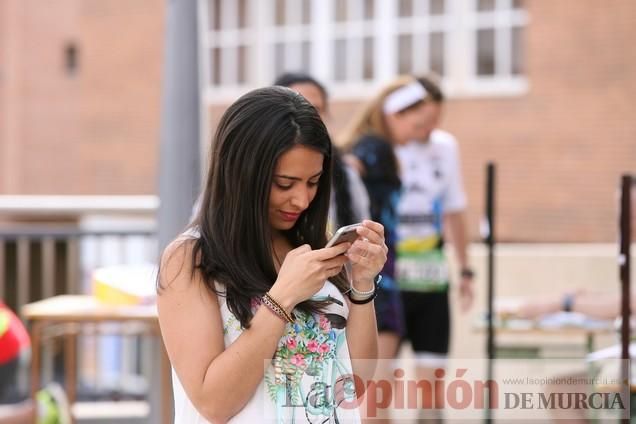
(369, 10)
(405, 8)
(279, 10)
(306, 5)
(436, 43)
(486, 52)
(242, 13)
(485, 5)
(216, 66)
(279, 58)
(518, 53)
(340, 61)
(242, 64)
(305, 52)
(517, 4)
(368, 68)
(437, 7)
(405, 54)
(341, 10)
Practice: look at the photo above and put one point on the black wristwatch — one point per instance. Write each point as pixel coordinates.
(467, 272)
(567, 302)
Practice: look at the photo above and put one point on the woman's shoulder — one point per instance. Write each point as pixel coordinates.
(177, 260)
(182, 244)
(191, 233)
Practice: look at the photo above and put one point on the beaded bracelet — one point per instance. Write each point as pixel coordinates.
(275, 307)
(361, 297)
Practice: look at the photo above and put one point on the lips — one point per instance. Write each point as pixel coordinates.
(289, 216)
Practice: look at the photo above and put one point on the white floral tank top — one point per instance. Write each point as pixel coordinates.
(309, 379)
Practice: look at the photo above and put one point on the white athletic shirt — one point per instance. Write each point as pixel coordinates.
(431, 187)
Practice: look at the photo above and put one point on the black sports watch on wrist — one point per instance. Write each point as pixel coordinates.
(467, 272)
(567, 302)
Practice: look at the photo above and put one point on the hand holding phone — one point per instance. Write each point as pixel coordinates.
(344, 234)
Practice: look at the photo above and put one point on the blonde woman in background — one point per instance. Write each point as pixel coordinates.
(433, 205)
(394, 116)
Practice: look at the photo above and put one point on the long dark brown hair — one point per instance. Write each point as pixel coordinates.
(345, 213)
(234, 246)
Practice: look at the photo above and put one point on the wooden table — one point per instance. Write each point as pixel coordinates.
(71, 312)
(534, 330)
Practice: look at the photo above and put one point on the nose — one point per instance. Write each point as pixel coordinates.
(301, 197)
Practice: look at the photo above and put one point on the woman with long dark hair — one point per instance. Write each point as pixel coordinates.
(251, 283)
(349, 199)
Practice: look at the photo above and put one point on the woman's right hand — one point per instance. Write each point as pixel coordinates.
(304, 272)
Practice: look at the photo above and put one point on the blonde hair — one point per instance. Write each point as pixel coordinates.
(370, 119)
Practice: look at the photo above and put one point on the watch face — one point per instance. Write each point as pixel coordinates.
(467, 272)
(567, 303)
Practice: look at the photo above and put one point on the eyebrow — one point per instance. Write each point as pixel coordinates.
(296, 178)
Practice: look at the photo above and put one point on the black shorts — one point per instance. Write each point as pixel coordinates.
(427, 321)
(388, 311)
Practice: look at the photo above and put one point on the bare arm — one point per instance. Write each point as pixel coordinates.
(367, 258)
(362, 338)
(192, 329)
(456, 226)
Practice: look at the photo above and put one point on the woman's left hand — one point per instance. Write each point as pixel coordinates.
(367, 254)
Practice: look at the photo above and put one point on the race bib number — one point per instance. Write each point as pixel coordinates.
(419, 269)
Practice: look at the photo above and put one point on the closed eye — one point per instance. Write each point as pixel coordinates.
(283, 186)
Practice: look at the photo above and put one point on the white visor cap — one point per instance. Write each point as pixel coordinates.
(403, 97)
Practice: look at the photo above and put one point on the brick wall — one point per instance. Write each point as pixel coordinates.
(95, 131)
(560, 148)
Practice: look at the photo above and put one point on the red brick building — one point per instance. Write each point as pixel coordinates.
(544, 88)
(80, 87)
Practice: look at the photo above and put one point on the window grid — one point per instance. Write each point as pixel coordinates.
(423, 34)
(353, 45)
(500, 18)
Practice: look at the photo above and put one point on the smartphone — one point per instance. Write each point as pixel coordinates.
(344, 234)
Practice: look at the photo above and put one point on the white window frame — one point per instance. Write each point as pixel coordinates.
(462, 79)
(423, 24)
(458, 23)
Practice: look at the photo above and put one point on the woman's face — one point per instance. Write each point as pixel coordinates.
(431, 116)
(294, 185)
(408, 125)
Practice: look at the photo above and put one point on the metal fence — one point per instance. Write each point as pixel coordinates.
(44, 254)
(41, 261)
